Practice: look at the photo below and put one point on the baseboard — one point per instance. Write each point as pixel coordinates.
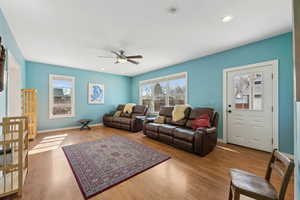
(221, 140)
(67, 128)
(291, 156)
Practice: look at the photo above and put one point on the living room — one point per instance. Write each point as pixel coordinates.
(181, 100)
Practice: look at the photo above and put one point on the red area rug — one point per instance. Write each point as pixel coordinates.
(103, 163)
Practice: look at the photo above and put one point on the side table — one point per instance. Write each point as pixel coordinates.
(85, 124)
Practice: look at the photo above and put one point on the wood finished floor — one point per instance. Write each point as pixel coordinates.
(185, 176)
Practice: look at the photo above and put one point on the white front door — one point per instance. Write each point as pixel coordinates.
(14, 87)
(250, 107)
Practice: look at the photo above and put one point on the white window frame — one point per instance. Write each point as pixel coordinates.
(51, 103)
(161, 79)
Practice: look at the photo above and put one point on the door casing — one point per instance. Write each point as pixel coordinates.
(274, 64)
(13, 86)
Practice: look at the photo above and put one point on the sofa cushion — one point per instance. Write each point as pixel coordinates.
(152, 126)
(166, 111)
(108, 118)
(166, 129)
(181, 144)
(125, 120)
(165, 138)
(139, 109)
(152, 134)
(184, 134)
(196, 112)
(116, 119)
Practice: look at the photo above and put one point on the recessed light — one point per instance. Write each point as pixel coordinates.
(172, 10)
(102, 68)
(227, 18)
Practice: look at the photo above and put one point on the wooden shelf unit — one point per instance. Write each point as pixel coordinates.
(29, 109)
(14, 157)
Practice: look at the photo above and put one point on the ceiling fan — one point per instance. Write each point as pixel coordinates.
(122, 58)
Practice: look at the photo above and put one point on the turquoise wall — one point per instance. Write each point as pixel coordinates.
(12, 46)
(117, 90)
(205, 79)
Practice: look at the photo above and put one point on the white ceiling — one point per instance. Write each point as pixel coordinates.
(74, 32)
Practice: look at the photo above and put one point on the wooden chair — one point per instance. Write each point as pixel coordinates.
(256, 187)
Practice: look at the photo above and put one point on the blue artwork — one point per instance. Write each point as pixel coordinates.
(96, 93)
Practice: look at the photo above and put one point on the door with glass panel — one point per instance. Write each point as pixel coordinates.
(250, 107)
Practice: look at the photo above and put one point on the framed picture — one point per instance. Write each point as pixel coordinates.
(95, 93)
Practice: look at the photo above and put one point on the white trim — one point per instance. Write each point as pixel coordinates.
(274, 64)
(51, 77)
(296, 107)
(290, 156)
(67, 128)
(14, 86)
(162, 78)
(165, 78)
(220, 140)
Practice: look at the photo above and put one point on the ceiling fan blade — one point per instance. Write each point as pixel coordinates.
(134, 57)
(116, 53)
(132, 61)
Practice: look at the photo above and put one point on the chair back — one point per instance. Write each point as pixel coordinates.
(284, 167)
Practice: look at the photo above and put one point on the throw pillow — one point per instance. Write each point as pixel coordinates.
(118, 113)
(128, 108)
(178, 112)
(203, 121)
(160, 120)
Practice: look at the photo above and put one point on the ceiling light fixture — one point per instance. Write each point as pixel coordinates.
(121, 60)
(227, 18)
(102, 68)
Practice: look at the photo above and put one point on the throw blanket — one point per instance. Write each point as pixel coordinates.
(178, 112)
(128, 108)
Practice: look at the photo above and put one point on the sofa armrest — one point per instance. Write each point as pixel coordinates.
(149, 120)
(206, 130)
(134, 115)
(205, 140)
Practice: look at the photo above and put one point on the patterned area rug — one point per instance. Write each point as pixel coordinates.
(103, 163)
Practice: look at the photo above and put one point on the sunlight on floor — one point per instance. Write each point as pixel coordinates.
(227, 149)
(48, 143)
(245, 198)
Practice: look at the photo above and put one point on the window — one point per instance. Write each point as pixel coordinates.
(61, 96)
(164, 91)
(248, 91)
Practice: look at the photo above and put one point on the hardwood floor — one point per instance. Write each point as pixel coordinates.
(184, 176)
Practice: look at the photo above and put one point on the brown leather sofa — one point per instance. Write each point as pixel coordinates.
(126, 121)
(181, 135)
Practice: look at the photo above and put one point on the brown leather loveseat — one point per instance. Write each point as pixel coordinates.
(180, 133)
(126, 121)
